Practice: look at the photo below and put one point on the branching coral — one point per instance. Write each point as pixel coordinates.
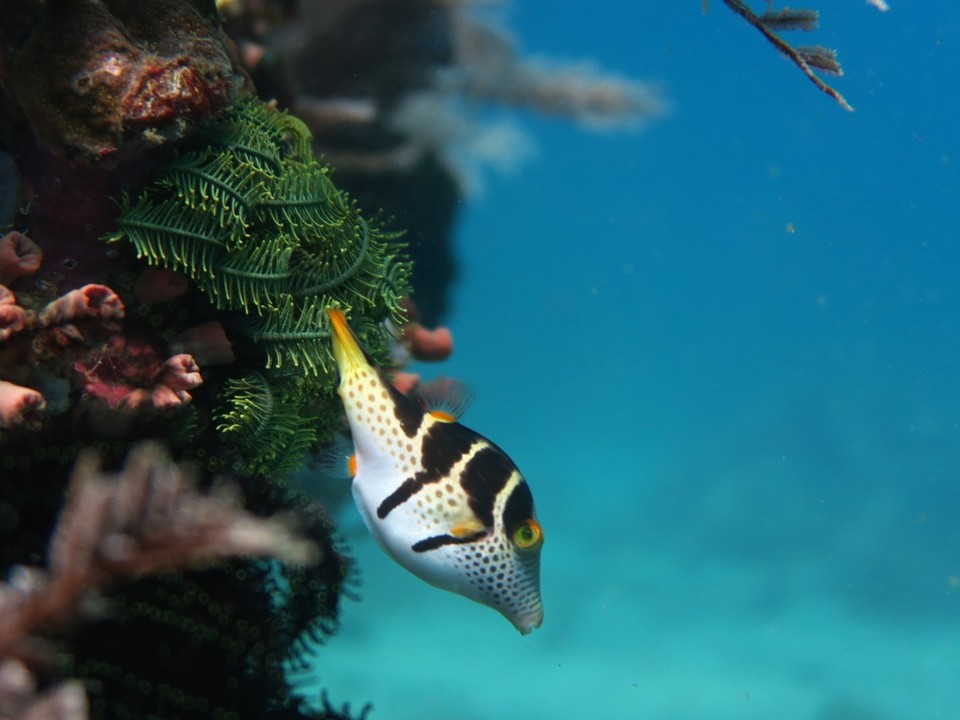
(21, 699)
(192, 644)
(146, 519)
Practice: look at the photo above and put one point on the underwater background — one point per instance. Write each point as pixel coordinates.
(725, 352)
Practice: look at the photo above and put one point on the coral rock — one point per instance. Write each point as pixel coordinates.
(97, 78)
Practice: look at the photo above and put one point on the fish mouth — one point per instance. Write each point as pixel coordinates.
(346, 349)
(528, 622)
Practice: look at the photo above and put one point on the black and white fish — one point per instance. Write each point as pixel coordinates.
(443, 501)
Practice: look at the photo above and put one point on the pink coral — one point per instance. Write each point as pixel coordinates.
(97, 302)
(427, 344)
(130, 374)
(423, 343)
(181, 373)
(90, 301)
(19, 405)
(19, 256)
(405, 382)
(47, 335)
(13, 318)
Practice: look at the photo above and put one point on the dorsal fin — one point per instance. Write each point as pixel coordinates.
(444, 398)
(335, 461)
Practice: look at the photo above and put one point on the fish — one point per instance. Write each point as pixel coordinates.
(443, 501)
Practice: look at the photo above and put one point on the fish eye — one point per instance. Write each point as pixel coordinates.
(528, 535)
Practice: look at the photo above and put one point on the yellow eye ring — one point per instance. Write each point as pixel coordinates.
(528, 534)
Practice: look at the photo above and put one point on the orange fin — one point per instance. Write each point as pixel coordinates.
(336, 461)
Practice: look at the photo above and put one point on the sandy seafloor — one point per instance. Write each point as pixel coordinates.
(744, 442)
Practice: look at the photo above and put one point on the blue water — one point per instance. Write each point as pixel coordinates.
(744, 442)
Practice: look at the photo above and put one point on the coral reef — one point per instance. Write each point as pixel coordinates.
(100, 349)
(168, 245)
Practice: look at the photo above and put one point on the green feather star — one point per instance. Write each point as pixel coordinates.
(254, 220)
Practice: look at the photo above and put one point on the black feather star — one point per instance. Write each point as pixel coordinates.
(254, 220)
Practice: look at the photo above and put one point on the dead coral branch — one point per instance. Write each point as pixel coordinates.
(20, 698)
(147, 519)
(806, 57)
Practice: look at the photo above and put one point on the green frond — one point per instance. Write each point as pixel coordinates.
(166, 235)
(289, 456)
(255, 278)
(298, 135)
(305, 201)
(220, 184)
(320, 273)
(393, 286)
(249, 411)
(267, 424)
(260, 119)
(250, 140)
(240, 137)
(295, 335)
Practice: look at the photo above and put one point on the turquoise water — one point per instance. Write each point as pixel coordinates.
(725, 351)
